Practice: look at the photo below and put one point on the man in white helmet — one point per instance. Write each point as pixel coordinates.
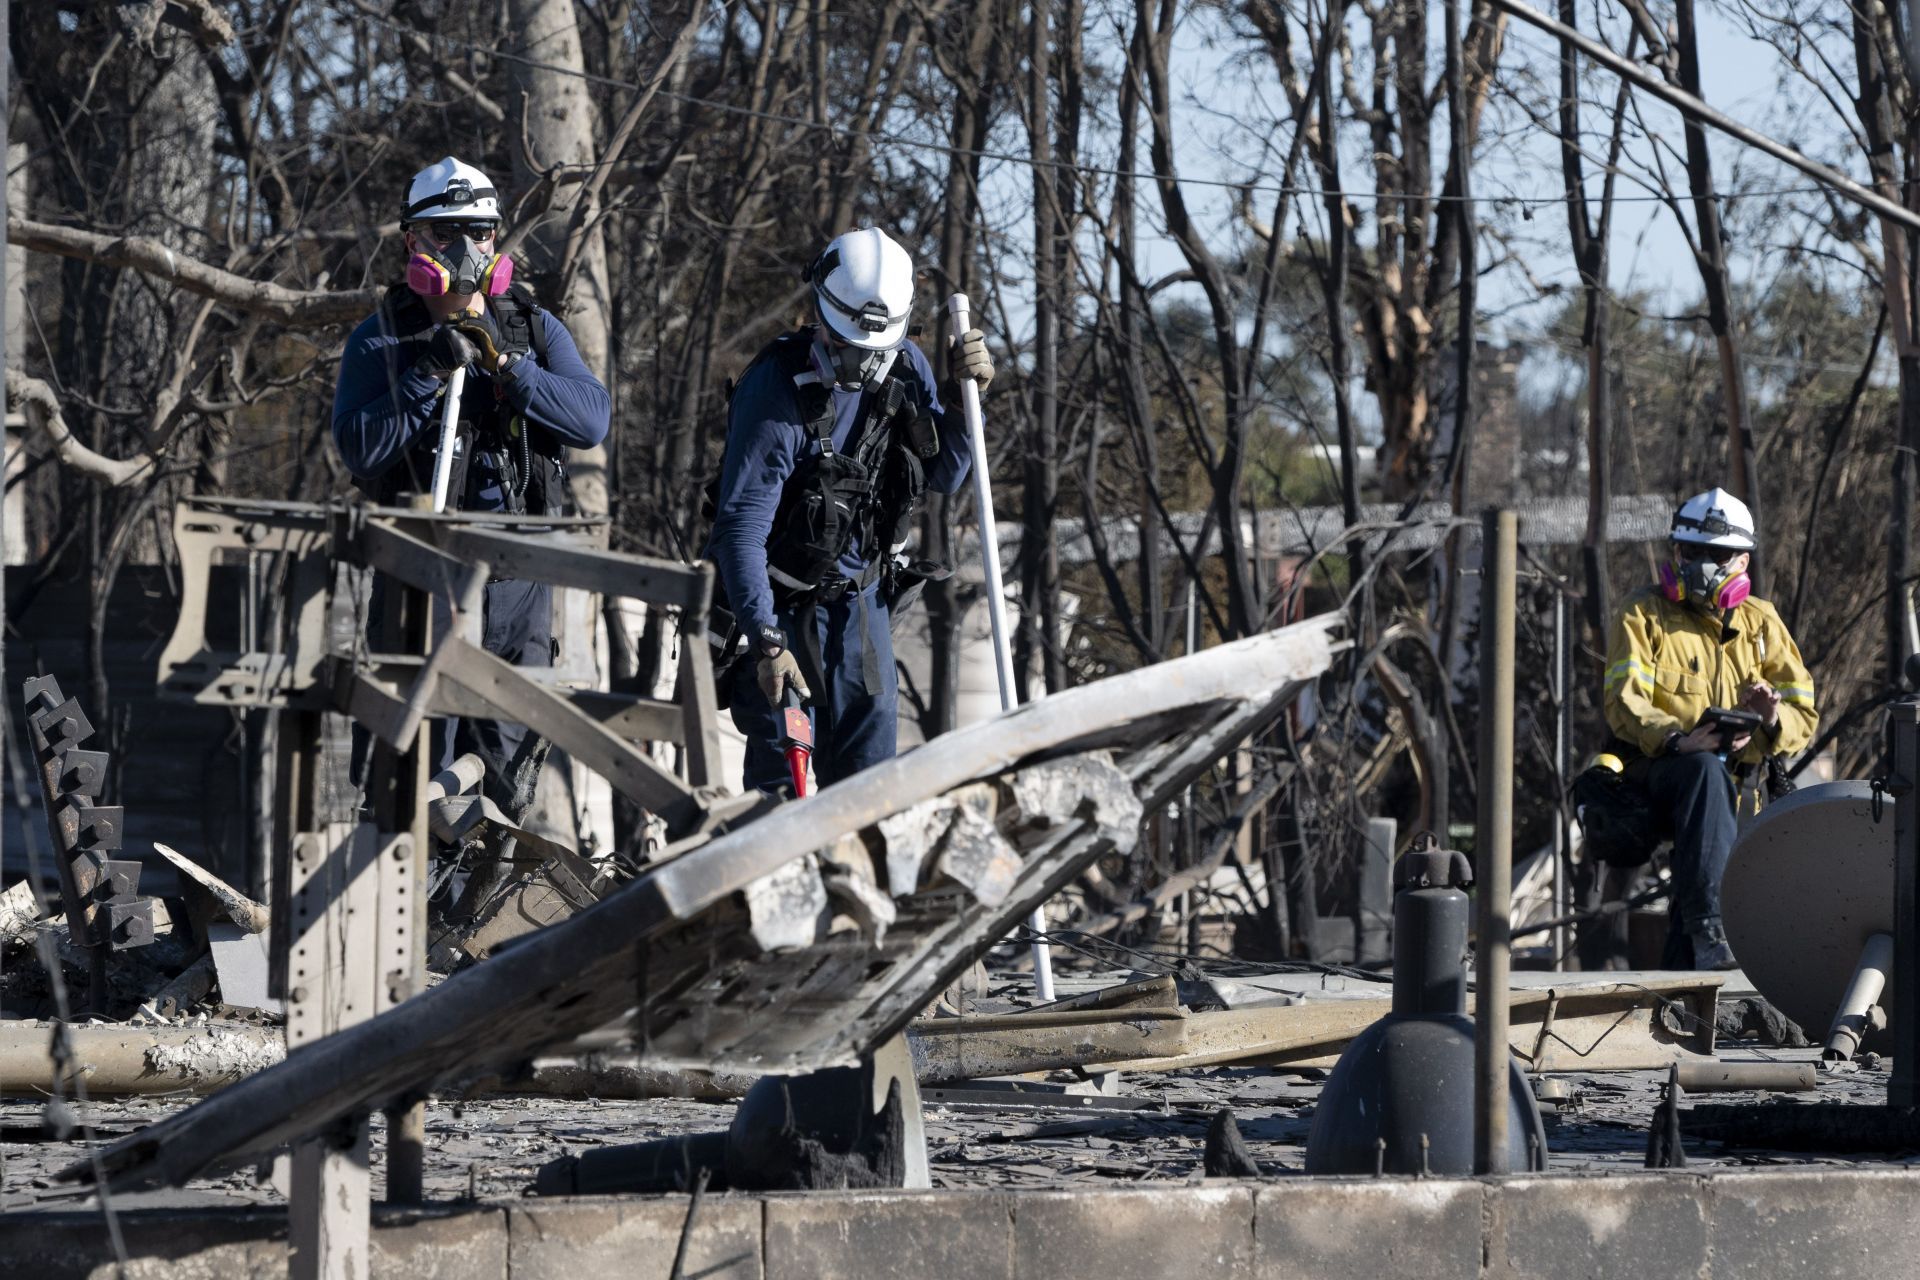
(528, 396)
(835, 431)
(1695, 642)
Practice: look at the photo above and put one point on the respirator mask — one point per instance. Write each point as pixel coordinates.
(457, 257)
(851, 366)
(1695, 574)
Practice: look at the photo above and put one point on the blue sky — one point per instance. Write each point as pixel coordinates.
(1227, 101)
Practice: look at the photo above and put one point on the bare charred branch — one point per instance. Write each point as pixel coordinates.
(311, 308)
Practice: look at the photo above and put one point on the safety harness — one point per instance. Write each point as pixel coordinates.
(530, 464)
(866, 494)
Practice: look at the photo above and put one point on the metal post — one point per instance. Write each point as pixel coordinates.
(400, 805)
(1903, 1086)
(959, 308)
(1493, 843)
(327, 1226)
(334, 902)
(1373, 921)
(1189, 822)
(1561, 937)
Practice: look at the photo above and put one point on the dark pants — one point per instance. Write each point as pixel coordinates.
(1695, 793)
(852, 728)
(516, 626)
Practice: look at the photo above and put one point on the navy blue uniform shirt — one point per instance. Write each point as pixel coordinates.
(766, 437)
(376, 421)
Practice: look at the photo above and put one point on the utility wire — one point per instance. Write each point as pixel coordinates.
(1015, 158)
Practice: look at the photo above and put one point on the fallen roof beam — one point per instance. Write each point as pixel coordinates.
(1591, 1026)
(948, 1050)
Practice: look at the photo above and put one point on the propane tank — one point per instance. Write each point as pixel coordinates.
(1400, 1100)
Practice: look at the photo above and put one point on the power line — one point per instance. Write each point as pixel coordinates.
(1015, 158)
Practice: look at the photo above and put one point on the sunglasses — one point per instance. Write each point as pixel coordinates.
(451, 232)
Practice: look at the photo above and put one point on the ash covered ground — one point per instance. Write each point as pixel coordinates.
(490, 1150)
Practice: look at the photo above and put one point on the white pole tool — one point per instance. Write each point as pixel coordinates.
(958, 308)
(449, 430)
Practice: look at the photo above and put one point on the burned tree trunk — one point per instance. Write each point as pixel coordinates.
(970, 64)
(557, 112)
(1039, 556)
(1590, 241)
(1886, 96)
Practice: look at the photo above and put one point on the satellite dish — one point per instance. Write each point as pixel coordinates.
(1809, 881)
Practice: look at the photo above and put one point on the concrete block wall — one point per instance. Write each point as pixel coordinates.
(1780, 1225)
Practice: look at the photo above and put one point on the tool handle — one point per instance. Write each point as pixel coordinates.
(449, 431)
(959, 308)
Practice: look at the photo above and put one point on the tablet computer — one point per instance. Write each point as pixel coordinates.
(1731, 724)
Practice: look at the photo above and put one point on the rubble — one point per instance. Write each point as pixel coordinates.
(681, 935)
(774, 954)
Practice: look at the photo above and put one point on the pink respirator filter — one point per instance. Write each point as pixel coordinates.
(1728, 596)
(429, 277)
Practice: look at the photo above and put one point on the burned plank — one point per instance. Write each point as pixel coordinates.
(949, 1050)
(684, 586)
(510, 695)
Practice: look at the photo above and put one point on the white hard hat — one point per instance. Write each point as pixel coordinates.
(451, 188)
(1714, 519)
(863, 283)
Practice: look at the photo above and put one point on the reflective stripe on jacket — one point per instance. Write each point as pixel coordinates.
(1667, 663)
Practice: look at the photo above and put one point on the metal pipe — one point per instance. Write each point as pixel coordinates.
(458, 778)
(1493, 842)
(1863, 992)
(959, 309)
(1739, 1077)
(120, 1061)
(1693, 107)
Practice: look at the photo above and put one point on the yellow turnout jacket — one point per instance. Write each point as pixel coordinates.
(1667, 663)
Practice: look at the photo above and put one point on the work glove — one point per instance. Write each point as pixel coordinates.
(968, 358)
(448, 349)
(779, 671)
(479, 328)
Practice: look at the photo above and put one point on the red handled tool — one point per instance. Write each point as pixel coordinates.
(796, 738)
